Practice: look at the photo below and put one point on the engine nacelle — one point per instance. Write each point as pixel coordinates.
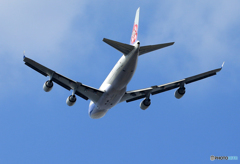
(145, 104)
(47, 86)
(180, 92)
(71, 100)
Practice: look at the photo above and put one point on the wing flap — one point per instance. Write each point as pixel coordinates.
(36, 66)
(142, 93)
(81, 95)
(202, 76)
(63, 81)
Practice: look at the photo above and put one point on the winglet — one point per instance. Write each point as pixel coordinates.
(24, 55)
(223, 64)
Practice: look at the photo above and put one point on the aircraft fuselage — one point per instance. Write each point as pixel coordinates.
(115, 84)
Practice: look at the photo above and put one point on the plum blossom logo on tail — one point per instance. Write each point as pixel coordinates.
(134, 33)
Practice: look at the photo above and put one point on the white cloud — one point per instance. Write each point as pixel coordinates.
(203, 32)
(39, 27)
(35, 25)
(59, 29)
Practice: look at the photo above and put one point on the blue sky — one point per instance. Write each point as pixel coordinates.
(66, 36)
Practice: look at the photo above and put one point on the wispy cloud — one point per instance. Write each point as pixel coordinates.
(68, 35)
(205, 34)
(39, 27)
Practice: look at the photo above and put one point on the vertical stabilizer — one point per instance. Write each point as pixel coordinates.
(135, 28)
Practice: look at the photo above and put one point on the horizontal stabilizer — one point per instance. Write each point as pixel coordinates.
(122, 47)
(146, 49)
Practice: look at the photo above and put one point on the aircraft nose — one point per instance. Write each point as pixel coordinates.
(92, 106)
(97, 114)
(94, 112)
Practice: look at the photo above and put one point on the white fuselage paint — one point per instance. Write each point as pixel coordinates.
(115, 84)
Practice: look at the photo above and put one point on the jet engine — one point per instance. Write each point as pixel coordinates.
(47, 86)
(145, 104)
(180, 92)
(71, 100)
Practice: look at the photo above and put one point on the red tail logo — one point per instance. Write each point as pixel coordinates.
(134, 33)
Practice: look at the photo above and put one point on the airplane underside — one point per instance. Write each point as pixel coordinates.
(115, 84)
(113, 89)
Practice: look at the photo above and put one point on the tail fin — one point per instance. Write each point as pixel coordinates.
(135, 28)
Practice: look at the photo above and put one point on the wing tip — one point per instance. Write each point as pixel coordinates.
(223, 64)
(24, 55)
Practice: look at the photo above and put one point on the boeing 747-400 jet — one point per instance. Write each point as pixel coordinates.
(113, 89)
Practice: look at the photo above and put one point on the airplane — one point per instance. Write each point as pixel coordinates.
(113, 89)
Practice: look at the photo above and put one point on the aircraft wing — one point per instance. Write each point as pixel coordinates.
(142, 93)
(82, 90)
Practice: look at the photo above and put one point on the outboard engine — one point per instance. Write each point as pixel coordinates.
(180, 92)
(47, 86)
(145, 103)
(71, 100)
